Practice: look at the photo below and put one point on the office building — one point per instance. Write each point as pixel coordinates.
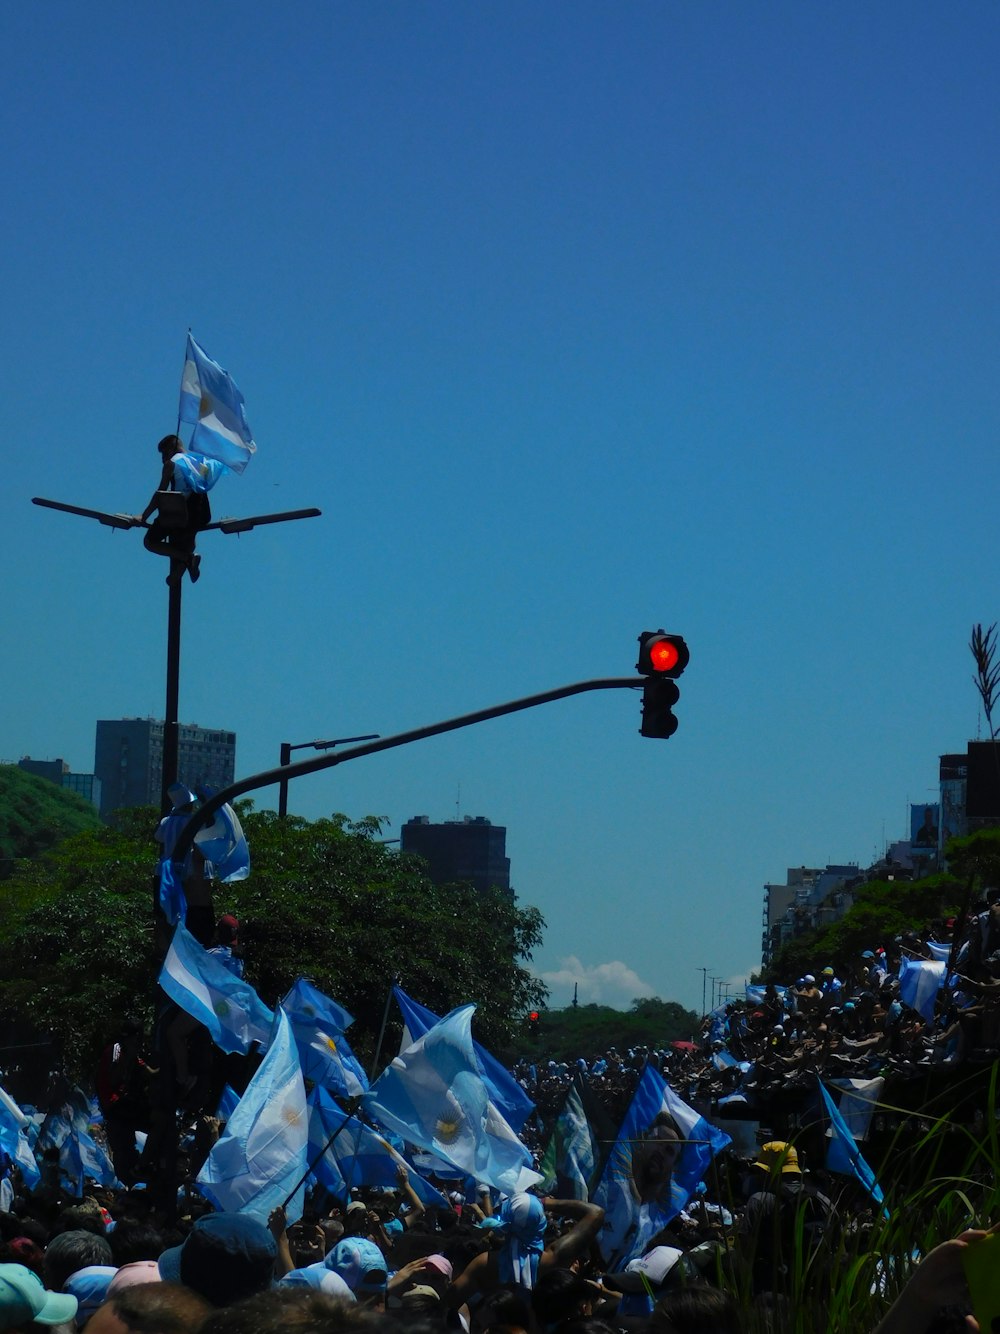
(128, 760)
(471, 850)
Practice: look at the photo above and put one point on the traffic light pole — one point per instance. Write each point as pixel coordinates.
(204, 814)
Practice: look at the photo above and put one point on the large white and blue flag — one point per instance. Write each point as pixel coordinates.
(14, 1140)
(920, 980)
(642, 1187)
(504, 1090)
(262, 1155)
(843, 1154)
(318, 1024)
(345, 1153)
(224, 844)
(434, 1096)
(211, 402)
(207, 990)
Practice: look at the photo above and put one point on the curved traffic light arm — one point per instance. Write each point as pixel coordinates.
(204, 814)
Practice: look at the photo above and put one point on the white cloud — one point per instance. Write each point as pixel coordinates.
(613, 983)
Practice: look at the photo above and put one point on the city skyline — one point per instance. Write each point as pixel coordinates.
(574, 324)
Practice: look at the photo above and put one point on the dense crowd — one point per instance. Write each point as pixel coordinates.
(114, 1259)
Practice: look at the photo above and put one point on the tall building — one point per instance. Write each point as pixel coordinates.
(471, 850)
(128, 760)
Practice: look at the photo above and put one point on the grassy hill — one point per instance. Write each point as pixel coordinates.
(35, 815)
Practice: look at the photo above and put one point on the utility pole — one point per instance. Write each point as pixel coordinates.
(704, 975)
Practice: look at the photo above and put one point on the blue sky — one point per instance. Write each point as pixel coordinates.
(574, 320)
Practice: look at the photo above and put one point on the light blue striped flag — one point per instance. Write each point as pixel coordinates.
(358, 1156)
(843, 1154)
(433, 1095)
(920, 980)
(318, 1024)
(208, 991)
(14, 1139)
(224, 844)
(262, 1154)
(211, 402)
(504, 1090)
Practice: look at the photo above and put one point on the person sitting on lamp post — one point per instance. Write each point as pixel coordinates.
(181, 506)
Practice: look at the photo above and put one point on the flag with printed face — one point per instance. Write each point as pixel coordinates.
(208, 991)
(262, 1154)
(504, 1091)
(318, 1024)
(433, 1095)
(345, 1153)
(211, 402)
(663, 1150)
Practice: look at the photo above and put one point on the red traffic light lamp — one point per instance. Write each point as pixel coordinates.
(661, 654)
(662, 657)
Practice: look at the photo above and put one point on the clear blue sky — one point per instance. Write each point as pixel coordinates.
(575, 320)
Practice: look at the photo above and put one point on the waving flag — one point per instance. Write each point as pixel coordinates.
(574, 1158)
(432, 1094)
(639, 1190)
(506, 1092)
(262, 1154)
(14, 1139)
(224, 844)
(358, 1156)
(843, 1154)
(318, 1024)
(203, 986)
(920, 980)
(212, 403)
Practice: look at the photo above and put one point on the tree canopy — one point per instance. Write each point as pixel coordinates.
(35, 814)
(589, 1030)
(326, 899)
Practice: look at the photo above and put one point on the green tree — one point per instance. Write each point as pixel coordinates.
(326, 899)
(35, 814)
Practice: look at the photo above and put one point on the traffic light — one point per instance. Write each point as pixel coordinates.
(662, 657)
(533, 1019)
(661, 654)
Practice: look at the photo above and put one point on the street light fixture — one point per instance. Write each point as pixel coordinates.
(126, 521)
(285, 757)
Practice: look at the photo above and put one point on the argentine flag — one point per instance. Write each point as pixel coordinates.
(224, 844)
(211, 402)
(505, 1092)
(920, 980)
(318, 1024)
(433, 1095)
(203, 986)
(262, 1157)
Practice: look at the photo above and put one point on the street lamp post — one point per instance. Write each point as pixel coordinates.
(168, 774)
(285, 758)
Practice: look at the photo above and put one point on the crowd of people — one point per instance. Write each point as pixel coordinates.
(115, 1260)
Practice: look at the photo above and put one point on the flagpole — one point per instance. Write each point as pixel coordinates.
(385, 1019)
(352, 1106)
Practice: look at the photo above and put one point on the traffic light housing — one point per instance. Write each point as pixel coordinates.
(533, 1022)
(659, 695)
(662, 657)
